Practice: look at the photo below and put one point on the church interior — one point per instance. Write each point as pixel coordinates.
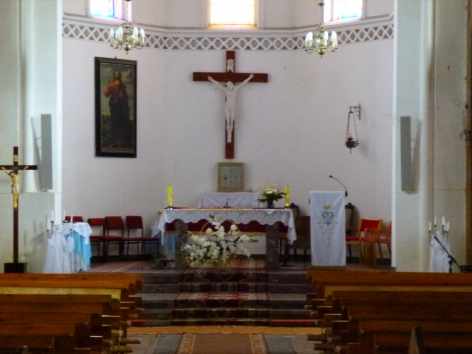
(236, 176)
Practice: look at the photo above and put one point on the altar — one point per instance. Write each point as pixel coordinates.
(274, 223)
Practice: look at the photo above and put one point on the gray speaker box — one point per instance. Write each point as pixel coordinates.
(45, 165)
(408, 184)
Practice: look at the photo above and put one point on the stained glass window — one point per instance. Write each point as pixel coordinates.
(232, 13)
(339, 11)
(111, 9)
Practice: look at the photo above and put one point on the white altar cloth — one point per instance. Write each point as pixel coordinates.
(68, 248)
(328, 228)
(439, 260)
(229, 200)
(238, 216)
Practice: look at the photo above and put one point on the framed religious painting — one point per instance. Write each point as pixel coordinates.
(115, 108)
(230, 177)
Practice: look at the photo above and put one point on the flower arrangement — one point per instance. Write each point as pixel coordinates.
(216, 247)
(270, 195)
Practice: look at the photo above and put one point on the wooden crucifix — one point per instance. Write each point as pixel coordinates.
(230, 82)
(12, 171)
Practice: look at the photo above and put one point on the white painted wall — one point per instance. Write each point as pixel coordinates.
(450, 100)
(291, 130)
(194, 13)
(31, 46)
(430, 87)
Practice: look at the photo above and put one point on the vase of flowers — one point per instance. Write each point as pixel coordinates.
(216, 248)
(270, 195)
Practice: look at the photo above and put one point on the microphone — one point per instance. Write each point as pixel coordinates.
(341, 183)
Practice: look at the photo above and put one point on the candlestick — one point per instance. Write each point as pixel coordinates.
(170, 196)
(287, 196)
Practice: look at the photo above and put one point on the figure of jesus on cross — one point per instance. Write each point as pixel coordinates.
(230, 82)
(230, 91)
(12, 171)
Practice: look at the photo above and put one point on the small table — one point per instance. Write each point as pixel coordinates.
(272, 219)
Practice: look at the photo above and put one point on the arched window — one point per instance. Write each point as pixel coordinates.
(109, 9)
(232, 13)
(340, 11)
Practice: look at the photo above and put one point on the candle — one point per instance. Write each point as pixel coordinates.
(287, 196)
(430, 226)
(443, 221)
(170, 196)
(448, 226)
(435, 223)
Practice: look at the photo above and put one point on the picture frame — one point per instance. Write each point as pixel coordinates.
(230, 177)
(115, 108)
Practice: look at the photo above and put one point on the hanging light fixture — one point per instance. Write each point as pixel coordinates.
(321, 41)
(352, 135)
(127, 36)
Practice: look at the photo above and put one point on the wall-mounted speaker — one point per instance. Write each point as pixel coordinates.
(45, 165)
(408, 184)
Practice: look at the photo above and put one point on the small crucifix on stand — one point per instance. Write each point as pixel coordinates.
(13, 171)
(230, 82)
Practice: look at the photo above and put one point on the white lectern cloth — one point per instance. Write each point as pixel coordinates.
(439, 259)
(328, 228)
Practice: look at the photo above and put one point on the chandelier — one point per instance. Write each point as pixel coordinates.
(127, 36)
(321, 41)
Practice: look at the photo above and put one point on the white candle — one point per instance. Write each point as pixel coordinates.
(443, 221)
(430, 226)
(435, 222)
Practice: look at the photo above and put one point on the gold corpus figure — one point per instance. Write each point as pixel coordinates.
(14, 187)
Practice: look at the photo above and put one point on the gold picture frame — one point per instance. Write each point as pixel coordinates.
(230, 177)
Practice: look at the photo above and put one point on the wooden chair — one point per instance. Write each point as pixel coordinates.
(134, 223)
(351, 238)
(369, 231)
(303, 241)
(114, 224)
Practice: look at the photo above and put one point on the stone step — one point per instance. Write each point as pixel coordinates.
(226, 287)
(241, 312)
(233, 275)
(225, 322)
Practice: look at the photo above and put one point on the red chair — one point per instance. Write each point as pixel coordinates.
(134, 223)
(97, 238)
(75, 219)
(114, 224)
(369, 231)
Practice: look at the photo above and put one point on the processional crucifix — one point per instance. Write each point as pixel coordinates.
(12, 171)
(230, 82)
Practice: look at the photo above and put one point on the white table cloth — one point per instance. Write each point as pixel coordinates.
(68, 248)
(328, 228)
(238, 216)
(229, 200)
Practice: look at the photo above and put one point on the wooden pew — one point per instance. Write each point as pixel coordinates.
(379, 310)
(111, 292)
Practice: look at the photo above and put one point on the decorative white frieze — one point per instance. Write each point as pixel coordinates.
(207, 40)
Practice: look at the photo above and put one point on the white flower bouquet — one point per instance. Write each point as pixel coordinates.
(216, 247)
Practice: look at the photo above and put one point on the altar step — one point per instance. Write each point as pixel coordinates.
(225, 297)
(242, 287)
(226, 322)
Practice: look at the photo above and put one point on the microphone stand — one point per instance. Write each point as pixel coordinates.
(451, 259)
